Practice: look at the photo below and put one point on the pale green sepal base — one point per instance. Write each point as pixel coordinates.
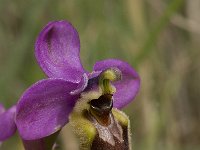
(84, 129)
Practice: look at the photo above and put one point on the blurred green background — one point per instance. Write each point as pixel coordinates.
(160, 38)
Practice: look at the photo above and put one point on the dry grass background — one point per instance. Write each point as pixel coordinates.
(160, 38)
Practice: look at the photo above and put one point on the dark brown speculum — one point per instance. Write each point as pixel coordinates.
(111, 134)
(100, 109)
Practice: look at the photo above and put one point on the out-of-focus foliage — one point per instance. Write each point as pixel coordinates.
(161, 39)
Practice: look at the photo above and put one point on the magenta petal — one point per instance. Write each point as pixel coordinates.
(7, 123)
(128, 87)
(44, 108)
(57, 51)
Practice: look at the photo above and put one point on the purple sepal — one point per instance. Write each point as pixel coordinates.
(57, 51)
(128, 87)
(44, 108)
(7, 123)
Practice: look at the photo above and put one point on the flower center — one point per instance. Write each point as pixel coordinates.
(93, 114)
(100, 108)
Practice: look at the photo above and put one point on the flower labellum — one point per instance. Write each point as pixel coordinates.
(90, 102)
(98, 125)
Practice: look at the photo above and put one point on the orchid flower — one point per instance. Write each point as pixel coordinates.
(90, 102)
